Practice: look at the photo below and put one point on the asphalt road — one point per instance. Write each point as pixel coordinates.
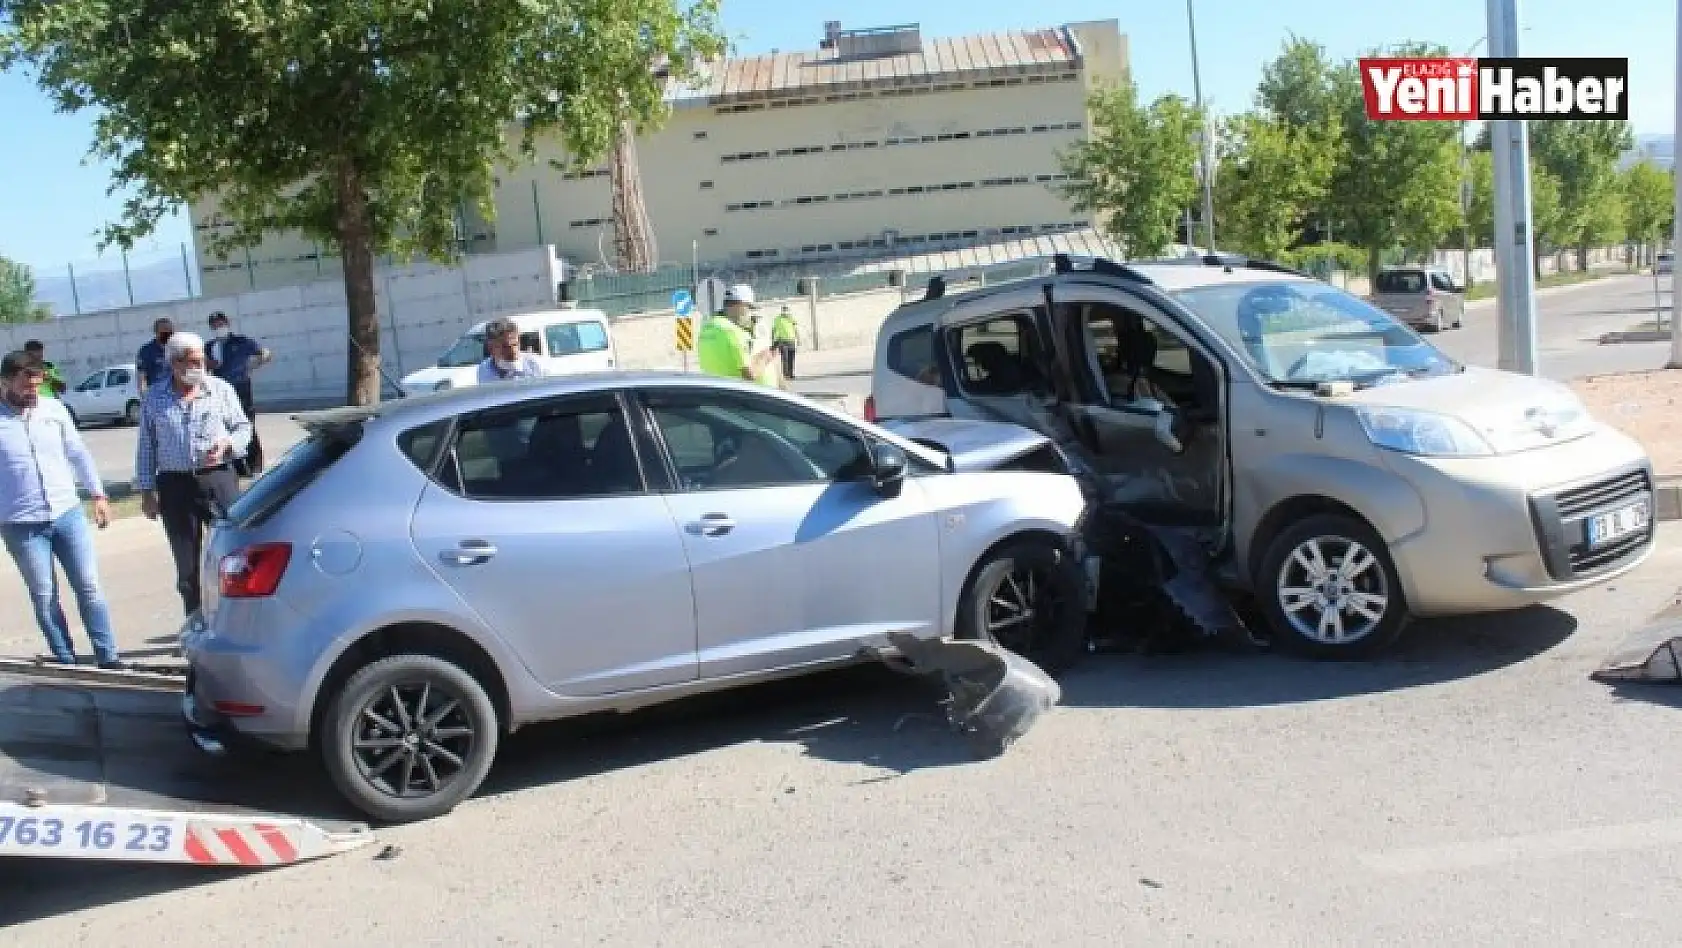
(1570, 321)
(1475, 788)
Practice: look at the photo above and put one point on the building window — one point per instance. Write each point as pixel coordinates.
(706, 185)
(700, 136)
(591, 222)
(710, 232)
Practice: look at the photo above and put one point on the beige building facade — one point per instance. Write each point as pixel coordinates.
(879, 142)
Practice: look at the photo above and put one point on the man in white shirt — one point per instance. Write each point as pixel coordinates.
(42, 457)
(506, 361)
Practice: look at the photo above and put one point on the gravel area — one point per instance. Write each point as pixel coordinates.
(1645, 405)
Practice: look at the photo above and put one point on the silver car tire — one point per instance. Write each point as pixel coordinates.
(1028, 596)
(131, 412)
(1330, 590)
(409, 738)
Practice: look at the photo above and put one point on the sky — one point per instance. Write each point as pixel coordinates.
(51, 204)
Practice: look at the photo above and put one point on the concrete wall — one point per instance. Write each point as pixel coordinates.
(423, 308)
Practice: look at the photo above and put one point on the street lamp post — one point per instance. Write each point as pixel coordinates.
(1675, 281)
(1204, 145)
(1510, 143)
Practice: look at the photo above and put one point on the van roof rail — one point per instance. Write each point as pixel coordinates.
(1064, 263)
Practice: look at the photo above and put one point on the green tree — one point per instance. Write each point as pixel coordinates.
(17, 294)
(365, 125)
(1398, 183)
(1138, 170)
(1649, 207)
(1306, 91)
(1583, 156)
(1272, 176)
(1545, 220)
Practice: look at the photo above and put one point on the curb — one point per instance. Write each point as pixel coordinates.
(1667, 498)
(1637, 335)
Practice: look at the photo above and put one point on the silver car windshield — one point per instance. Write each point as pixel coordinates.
(1298, 332)
(468, 350)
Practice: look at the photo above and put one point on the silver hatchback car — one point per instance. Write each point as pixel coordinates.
(417, 579)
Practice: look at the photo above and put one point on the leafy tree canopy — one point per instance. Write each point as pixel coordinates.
(1138, 170)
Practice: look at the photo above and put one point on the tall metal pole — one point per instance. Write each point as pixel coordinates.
(1675, 281)
(1204, 145)
(1510, 143)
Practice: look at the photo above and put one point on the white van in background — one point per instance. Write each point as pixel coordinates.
(566, 341)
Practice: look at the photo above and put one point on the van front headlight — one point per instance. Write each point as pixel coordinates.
(1422, 433)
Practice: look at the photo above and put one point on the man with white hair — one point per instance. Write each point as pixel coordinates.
(724, 346)
(191, 429)
(505, 361)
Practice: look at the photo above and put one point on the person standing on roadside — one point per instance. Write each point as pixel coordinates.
(191, 429)
(506, 362)
(232, 357)
(151, 366)
(42, 457)
(52, 383)
(724, 346)
(785, 338)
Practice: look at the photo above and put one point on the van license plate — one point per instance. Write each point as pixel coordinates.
(1614, 525)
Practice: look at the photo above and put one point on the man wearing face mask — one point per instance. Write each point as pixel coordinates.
(150, 364)
(232, 357)
(42, 458)
(506, 361)
(191, 429)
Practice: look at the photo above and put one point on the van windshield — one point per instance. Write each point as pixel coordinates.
(468, 350)
(1299, 332)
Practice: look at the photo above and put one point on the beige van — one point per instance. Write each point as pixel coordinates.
(1328, 459)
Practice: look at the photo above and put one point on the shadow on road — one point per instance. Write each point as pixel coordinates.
(1429, 653)
(867, 715)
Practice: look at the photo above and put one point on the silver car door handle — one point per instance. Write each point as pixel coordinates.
(469, 554)
(712, 525)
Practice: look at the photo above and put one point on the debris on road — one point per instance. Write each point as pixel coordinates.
(1652, 653)
(995, 694)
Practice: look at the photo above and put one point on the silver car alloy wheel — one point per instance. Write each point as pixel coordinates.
(1333, 590)
(412, 739)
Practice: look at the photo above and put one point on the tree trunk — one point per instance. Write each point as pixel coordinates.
(1536, 262)
(356, 252)
(1372, 268)
(1582, 257)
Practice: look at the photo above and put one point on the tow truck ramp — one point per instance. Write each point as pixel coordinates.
(121, 834)
(31, 825)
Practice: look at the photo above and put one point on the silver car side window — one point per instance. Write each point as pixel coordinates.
(732, 442)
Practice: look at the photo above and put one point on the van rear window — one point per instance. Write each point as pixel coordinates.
(1400, 281)
(911, 354)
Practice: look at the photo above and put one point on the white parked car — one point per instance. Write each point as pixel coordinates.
(108, 395)
(566, 341)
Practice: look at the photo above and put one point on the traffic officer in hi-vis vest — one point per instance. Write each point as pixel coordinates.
(724, 347)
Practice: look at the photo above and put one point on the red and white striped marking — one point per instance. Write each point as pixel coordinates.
(254, 844)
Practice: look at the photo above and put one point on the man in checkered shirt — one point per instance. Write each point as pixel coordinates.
(191, 429)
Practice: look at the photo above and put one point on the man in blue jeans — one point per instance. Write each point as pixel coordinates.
(42, 458)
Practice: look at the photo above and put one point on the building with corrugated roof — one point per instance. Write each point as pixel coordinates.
(881, 142)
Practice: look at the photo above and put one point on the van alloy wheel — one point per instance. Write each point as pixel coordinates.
(1333, 590)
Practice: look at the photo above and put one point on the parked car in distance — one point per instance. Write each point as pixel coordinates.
(561, 546)
(107, 394)
(1665, 262)
(1336, 465)
(566, 341)
(1423, 297)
